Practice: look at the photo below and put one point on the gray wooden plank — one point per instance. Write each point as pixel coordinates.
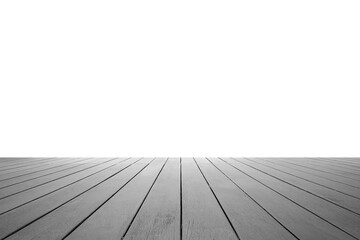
(113, 217)
(320, 160)
(20, 173)
(159, 217)
(270, 198)
(338, 163)
(21, 162)
(23, 216)
(202, 216)
(249, 219)
(336, 186)
(346, 159)
(32, 176)
(23, 197)
(5, 171)
(325, 176)
(302, 223)
(355, 160)
(12, 159)
(340, 218)
(338, 177)
(17, 161)
(341, 161)
(59, 223)
(324, 168)
(325, 163)
(30, 184)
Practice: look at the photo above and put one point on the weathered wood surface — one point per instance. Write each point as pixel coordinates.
(180, 198)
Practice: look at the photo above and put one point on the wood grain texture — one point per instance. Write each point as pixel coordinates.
(318, 172)
(325, 165)
(37, 169)
(37, 182)
(326, 182)
(341, 200)
(25, 162)
(35, 209)
(180, 198)
(339, 217)
(248, 218)
(36, 166)
(159, 217)
(113, 219)
(50, 173)
(25, 196)
(335, 162)
(58, 223)
(202, 216)
(302, 223)
(322, 168)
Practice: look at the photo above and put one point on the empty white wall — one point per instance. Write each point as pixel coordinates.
(179, 78)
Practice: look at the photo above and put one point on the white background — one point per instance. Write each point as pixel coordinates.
(179, 78)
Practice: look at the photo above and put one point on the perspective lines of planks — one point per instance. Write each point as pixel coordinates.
(180, 198)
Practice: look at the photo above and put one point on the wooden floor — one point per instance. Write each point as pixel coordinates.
(180, 198)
